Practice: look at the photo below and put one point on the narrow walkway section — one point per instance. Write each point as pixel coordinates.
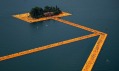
(94, 54)
(46, 47)
(77, 25)
(97, 48)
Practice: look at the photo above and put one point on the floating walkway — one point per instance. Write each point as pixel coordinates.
(97, 48)
(78, 26)
(93, 55)
(45, 47)
(26, 17)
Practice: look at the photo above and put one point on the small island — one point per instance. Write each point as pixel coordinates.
(40, 14)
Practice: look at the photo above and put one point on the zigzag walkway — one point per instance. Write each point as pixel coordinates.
(92, 57)
(97, 48)
(45, 47)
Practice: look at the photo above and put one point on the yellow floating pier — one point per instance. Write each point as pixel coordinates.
(78, 26)
(46, 47)
(93, 55)
(26, 17)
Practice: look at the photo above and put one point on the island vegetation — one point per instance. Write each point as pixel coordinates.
(38, 12)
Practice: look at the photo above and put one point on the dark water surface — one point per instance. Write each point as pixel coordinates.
(17, 35)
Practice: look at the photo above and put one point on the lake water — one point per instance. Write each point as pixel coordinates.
(17, 35)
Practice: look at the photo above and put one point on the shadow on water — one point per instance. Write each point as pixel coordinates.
(39, 25)
(36, 24)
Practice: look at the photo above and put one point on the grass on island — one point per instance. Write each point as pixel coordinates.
(26, 17)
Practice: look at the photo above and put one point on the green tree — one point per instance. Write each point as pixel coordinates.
(47, 9)
(36, 12)
(57, 11)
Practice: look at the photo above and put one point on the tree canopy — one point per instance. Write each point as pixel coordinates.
(38, 12)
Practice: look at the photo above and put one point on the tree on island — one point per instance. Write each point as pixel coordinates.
(38, 12)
